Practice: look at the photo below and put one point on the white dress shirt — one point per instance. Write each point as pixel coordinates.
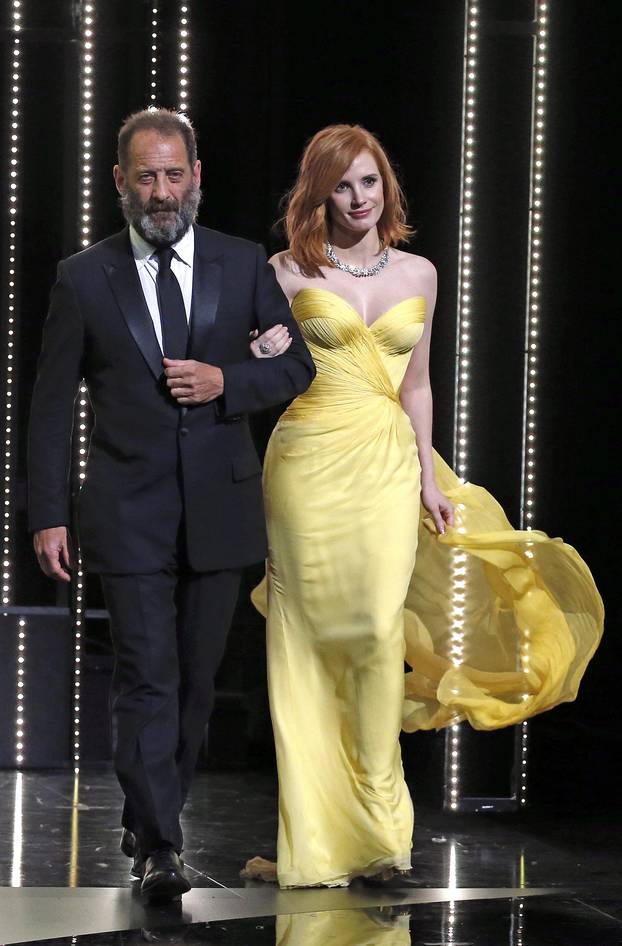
(147, 266)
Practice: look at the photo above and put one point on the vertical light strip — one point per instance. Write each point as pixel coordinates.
(87, 82)
(517, 922)
(75, 833)
(523, 757)
(449, 920)
(534, 264)
(450, 913)
(13, 173)
(532, 327)
(20, 709)
(155, 52)
(462, 383)
(20, 743)
(79, 610)
(465, 242)
(18, 808)
(82, 419)
(518, 905)
(459, 572)
(520, 922)
(452, 872)
(184, 57)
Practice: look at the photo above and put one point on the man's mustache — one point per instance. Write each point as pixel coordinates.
(158, 206)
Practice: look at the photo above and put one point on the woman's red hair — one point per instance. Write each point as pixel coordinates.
(325, 160)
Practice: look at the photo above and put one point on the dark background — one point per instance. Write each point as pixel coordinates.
(263, 80)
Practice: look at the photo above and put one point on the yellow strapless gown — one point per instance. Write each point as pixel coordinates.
(357, 579)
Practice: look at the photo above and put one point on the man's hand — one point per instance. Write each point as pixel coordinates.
(272, 343)
(193, 382)
(52, 551)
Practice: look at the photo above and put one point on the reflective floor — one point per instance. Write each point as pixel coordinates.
(522, 880)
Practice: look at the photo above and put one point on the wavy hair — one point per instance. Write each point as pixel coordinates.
(325, 160)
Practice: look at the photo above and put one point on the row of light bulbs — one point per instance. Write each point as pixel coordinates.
(463, 321)
(532, 317)
(184, 58)
(12, 309)
(12, 305)
(459, 567)
(153, 81)
(183, 66)
(463, 345)
(82, 418)
(82, 426)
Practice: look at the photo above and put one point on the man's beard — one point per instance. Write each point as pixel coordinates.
(158, 228)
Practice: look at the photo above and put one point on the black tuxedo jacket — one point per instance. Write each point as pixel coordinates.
(150, 461)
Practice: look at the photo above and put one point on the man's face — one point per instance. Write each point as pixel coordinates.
(160, 191)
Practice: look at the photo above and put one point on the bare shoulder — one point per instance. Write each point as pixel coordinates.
(287, 273)
(416, 267)
(417, 277)
(278, 259)
(285, 263)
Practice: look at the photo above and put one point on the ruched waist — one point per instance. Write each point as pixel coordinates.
(330, 398)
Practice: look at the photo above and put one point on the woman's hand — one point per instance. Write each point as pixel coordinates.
(438, 506)
(276, 340)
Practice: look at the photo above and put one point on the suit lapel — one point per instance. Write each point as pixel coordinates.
(125, 284)
(206, 283)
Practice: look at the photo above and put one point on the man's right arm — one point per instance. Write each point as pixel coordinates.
(51, 426)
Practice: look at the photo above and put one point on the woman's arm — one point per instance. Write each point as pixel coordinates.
(416, 399)
(278, 338)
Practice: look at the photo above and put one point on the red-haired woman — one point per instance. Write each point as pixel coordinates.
(353, 490)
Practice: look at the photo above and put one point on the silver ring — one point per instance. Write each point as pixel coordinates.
(265, 348)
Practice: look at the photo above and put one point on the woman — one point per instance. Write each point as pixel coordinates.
(348, 469)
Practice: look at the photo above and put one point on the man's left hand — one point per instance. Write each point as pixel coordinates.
(193, 382)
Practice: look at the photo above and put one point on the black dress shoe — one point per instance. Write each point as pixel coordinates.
(128, 843)
(129, 847)
(164, 877)
(137, 870)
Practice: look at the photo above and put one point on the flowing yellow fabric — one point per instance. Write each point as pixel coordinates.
(375, 927)
(349, 594)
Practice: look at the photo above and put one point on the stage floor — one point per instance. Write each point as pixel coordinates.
(532, 879)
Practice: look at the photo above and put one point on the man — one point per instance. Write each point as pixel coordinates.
(156, 319)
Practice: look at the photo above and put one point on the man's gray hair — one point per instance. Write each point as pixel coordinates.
(166, 122)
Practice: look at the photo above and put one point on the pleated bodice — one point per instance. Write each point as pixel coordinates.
(355, 362)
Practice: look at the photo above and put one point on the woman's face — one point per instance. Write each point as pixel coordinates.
(357, 202)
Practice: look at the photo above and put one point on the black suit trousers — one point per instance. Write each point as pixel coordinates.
(169, 631)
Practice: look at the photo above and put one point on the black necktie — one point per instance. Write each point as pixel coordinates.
(172, 309)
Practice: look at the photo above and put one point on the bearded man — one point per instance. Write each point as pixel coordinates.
(157, 319)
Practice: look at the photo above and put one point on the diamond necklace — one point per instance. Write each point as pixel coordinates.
(357, 270)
